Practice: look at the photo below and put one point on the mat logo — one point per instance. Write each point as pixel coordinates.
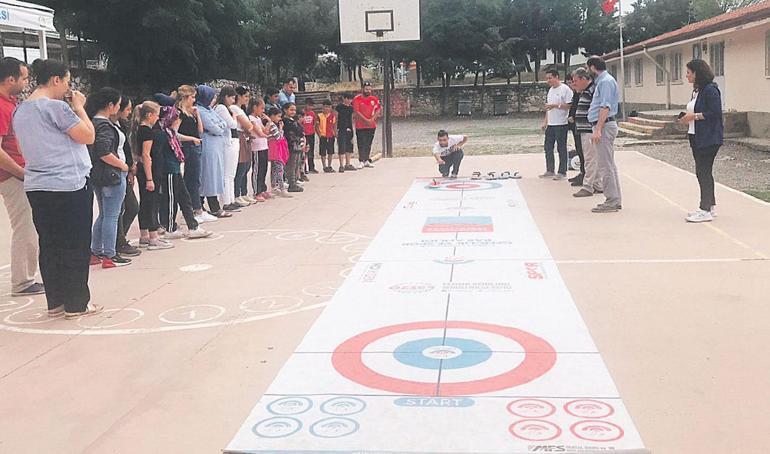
(453, 260)
(370, 275)
(458, 224)
(411, 205)
(534, 271)
(413, 287)
(548, 448)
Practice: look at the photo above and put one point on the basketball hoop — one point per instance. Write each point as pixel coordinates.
(379, 22)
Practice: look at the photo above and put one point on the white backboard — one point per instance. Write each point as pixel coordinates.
(372, 21)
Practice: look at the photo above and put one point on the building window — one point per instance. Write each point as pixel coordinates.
(638, 72)
(626, 77)
(717, 58)
(676, 67)
(660, 75)
(767, 54)
(696, 52)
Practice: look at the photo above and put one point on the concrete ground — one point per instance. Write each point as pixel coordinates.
(196, 334)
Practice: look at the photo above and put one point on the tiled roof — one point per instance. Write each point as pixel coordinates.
(735, 18)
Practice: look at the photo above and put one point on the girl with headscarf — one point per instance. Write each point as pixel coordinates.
(175, 195)
(214, 142)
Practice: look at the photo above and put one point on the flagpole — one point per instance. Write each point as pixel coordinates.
(622, 81)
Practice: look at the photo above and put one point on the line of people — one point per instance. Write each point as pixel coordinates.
(194, 151)
(588, 106)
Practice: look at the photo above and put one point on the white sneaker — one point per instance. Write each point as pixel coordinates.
(714, 211)
(360, 166)
(241, 202)
(199, 233)
(175, 235)
(700, 216)
(200, 219)
(159, 245)
(368, 165)
(285, 185)
(208, 217)
(248, 199)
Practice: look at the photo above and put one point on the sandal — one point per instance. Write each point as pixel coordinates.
(476, 175)
(53, 313)
(222, 214)
(91, 309)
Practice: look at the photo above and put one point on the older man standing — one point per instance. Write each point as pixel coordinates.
(584, 85)
(601, 115)
(24, 245)
(286, 95)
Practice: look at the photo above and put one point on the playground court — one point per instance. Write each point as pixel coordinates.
(196, 335)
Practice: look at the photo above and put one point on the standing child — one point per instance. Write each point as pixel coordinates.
(326, 127)
(295, 137)
(448, 152)
(278, 151)
(309, 120)
(259, 149)
(174, 193)
(345, 131)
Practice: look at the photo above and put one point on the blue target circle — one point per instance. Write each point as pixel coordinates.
(438, 353)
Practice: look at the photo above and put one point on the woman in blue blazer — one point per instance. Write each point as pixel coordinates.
(706, 132)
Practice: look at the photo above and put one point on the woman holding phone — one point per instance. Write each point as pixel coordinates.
(706, 134)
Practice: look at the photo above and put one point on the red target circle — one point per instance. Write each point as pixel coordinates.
(599, 431)
(462, 186)
(539, 358)
(531, 408)
(535, 430)
(589, 409)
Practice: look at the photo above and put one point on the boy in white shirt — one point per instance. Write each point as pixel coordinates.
(555, 125)
(448, 152)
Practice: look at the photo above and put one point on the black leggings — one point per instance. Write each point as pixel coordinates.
(148, 202)
(213, 201)
(259, 171)
(704, 170)
(364, 137)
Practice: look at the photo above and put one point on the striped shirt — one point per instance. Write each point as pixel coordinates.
(581, 113)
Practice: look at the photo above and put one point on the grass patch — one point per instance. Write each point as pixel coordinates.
(761, 195)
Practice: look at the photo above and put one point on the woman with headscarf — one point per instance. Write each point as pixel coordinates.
(174, 190)
(214, 142)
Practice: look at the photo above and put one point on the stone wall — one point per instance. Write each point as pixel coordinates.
(437, 101)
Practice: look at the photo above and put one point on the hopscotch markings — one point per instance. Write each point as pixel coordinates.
(449, 318)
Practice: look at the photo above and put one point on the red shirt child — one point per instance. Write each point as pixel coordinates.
(308, 120)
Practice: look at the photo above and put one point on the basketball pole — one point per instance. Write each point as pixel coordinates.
(387, 132)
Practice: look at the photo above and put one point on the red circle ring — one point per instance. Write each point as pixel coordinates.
(552, 408)
(539, 358)
(573, 428)
(512, 429)
(609, 409)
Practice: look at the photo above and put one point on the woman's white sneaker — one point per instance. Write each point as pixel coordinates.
(699, 216)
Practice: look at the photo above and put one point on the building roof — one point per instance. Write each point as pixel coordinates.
(735, 18)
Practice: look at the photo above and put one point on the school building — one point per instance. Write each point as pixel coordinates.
(736, 45)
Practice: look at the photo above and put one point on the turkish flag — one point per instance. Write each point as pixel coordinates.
(608, 6)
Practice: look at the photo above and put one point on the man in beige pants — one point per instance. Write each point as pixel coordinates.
(24, 246)
(583, 83)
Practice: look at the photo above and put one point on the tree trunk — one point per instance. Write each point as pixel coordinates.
(537, 69)
(65, 51)
(567, 58)
(476, 79)
(518, 92)
(483, 78)
(361, 75)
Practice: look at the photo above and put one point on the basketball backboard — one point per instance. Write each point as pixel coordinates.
(373, 21)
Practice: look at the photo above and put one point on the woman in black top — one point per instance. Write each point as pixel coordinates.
(192, 127)
(130, 204)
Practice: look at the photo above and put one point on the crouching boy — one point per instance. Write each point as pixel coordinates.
(448, 152)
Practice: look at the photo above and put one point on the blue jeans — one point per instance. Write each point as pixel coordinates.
(105, 231)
